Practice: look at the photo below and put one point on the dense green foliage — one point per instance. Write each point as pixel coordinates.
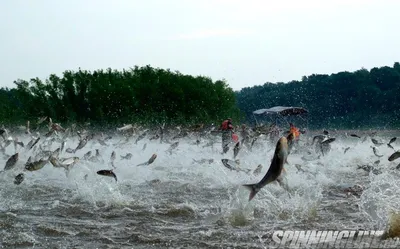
(141, 95)
(360, 99)
(145, 95)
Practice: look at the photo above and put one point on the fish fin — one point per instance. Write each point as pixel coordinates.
(253, 190)
(283, 184)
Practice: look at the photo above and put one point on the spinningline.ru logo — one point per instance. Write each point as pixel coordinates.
(332, 239)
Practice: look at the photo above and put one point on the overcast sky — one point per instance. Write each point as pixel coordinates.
(247, 42)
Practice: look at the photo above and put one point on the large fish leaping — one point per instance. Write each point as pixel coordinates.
(275, 169)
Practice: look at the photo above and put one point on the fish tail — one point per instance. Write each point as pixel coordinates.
(253, 190)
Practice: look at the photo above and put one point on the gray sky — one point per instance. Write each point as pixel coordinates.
(246, 42)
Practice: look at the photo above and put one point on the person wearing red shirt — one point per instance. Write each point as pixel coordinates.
(227, 129)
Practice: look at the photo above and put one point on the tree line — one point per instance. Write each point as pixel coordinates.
(350, 100)
(154, 96)
(142, 95)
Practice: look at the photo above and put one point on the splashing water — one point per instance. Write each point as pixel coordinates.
(176, 202)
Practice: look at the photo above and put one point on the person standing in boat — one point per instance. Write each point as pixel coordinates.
(227, 130)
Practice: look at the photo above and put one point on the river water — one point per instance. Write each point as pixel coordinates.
(177, 203)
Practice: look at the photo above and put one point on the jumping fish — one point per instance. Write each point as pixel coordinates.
(150, 161)
(106, 172)
(275, 169)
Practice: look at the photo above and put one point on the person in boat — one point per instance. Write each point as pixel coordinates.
(244, 134)
(227, 131)
(293, 136)
(295, 131)
(274, 133)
